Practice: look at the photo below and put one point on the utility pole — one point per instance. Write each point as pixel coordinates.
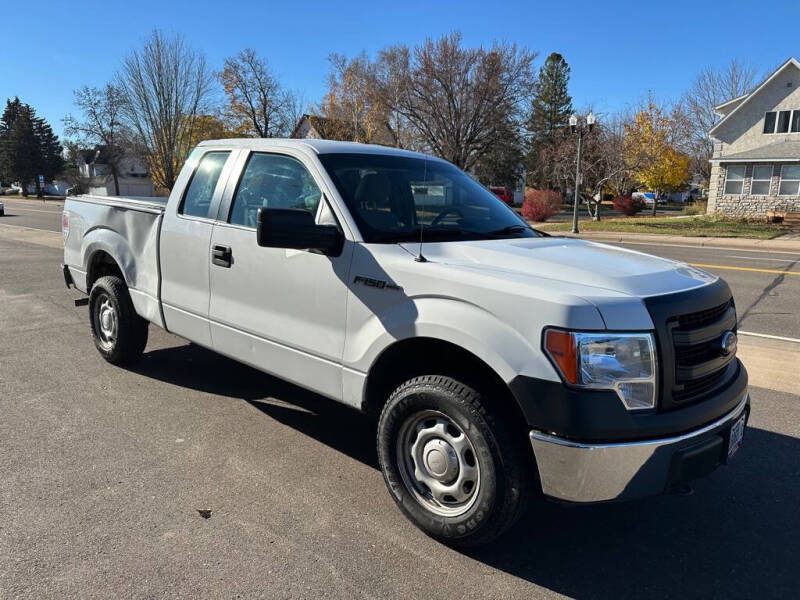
(577, 183)
(580, 129)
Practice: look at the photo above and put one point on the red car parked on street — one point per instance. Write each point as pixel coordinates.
(504, 194)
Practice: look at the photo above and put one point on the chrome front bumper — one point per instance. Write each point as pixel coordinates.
(578, 472)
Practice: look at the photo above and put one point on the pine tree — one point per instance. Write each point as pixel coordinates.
(51, 153)
(9, 115)
(6, 151)
(19, 151)
(28, 147)
(550, 111)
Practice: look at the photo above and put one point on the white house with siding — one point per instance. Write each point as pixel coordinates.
(755, 168)
(134, 178)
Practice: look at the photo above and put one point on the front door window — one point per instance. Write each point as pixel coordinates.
(273, 181)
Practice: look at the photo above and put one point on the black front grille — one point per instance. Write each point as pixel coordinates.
(696, 388)
(705, 317)
(689, 330)
(689, 356)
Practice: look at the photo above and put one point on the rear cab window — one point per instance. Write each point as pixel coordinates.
(199, 193)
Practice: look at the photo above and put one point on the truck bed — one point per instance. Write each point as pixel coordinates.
(143, 203)
(124, 228)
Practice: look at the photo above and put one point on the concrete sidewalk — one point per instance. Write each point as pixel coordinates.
(30, 235)
(787, 243)
(772, 364)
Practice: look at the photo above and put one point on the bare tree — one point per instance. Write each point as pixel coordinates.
(604, 164)
(165, 85)
(617, 170)
(607, 167)
(351, 98)
(711, 88)
(296, 106)
(78, 184)
(462, 100)
(391, 83)
(257, 103)
(101, 124)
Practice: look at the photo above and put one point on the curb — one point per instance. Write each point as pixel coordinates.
(710, 242)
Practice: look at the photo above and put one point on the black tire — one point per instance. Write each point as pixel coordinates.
(503, 485)
(110, 297)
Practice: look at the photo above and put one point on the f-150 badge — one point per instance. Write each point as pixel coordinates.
(376, 283)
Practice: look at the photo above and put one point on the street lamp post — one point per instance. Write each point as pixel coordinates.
(580, 129)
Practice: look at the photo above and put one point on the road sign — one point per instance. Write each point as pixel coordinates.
(41, 179)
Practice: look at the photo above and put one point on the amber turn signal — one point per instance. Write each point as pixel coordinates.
(560, 345)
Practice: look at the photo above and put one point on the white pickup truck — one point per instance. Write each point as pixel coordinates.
(499, 361)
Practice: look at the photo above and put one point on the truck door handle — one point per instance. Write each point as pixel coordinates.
(222, 256)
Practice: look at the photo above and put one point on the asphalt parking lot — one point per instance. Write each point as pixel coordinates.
(105, 471)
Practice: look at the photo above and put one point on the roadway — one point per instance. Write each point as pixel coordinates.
(32, 213)
(105, 470)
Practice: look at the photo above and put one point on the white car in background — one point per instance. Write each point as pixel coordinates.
(649, 197)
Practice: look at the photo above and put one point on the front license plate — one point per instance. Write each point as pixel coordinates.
(737, 433)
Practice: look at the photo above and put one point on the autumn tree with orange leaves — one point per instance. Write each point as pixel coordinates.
(652, 143)
(258, 105)
(204, 127)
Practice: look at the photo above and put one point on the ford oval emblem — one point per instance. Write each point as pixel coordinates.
(728, 343)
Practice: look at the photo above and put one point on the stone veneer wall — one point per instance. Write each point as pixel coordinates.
(745, 205)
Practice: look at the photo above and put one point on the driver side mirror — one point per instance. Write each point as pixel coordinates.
(296, 229)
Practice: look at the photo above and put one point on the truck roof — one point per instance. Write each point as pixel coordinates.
(318, 146)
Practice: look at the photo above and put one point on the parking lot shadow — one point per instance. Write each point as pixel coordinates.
(737, 536)
(195, 367)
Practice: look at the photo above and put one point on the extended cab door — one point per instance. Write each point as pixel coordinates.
(185, 240)
(282, 311)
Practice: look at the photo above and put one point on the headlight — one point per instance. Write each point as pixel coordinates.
(623, 362)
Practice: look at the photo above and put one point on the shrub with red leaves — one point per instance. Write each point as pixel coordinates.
(628, 205)
(540, 205)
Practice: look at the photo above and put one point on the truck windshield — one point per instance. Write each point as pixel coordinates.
(392, 197)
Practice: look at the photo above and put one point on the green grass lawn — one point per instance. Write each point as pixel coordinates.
(691, 226)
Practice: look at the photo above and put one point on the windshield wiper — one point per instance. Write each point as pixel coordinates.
(434, 234)
(518, 229)
(510, 229)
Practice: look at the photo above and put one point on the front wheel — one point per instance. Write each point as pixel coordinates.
(120, 335)
(450, 462)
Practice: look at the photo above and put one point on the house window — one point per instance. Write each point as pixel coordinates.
(769, 122)
(762, 178)
(790, 181)
(783, 121)
(784, 117)
(734, 180)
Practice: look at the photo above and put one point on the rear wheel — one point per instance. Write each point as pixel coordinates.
(120, 335)
(450, 462)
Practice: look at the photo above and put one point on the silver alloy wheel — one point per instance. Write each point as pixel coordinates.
(438, 463)
(106, 321)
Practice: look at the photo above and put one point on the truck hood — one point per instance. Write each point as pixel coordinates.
(570, 260)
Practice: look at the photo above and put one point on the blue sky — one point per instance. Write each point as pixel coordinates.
(618, 51)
